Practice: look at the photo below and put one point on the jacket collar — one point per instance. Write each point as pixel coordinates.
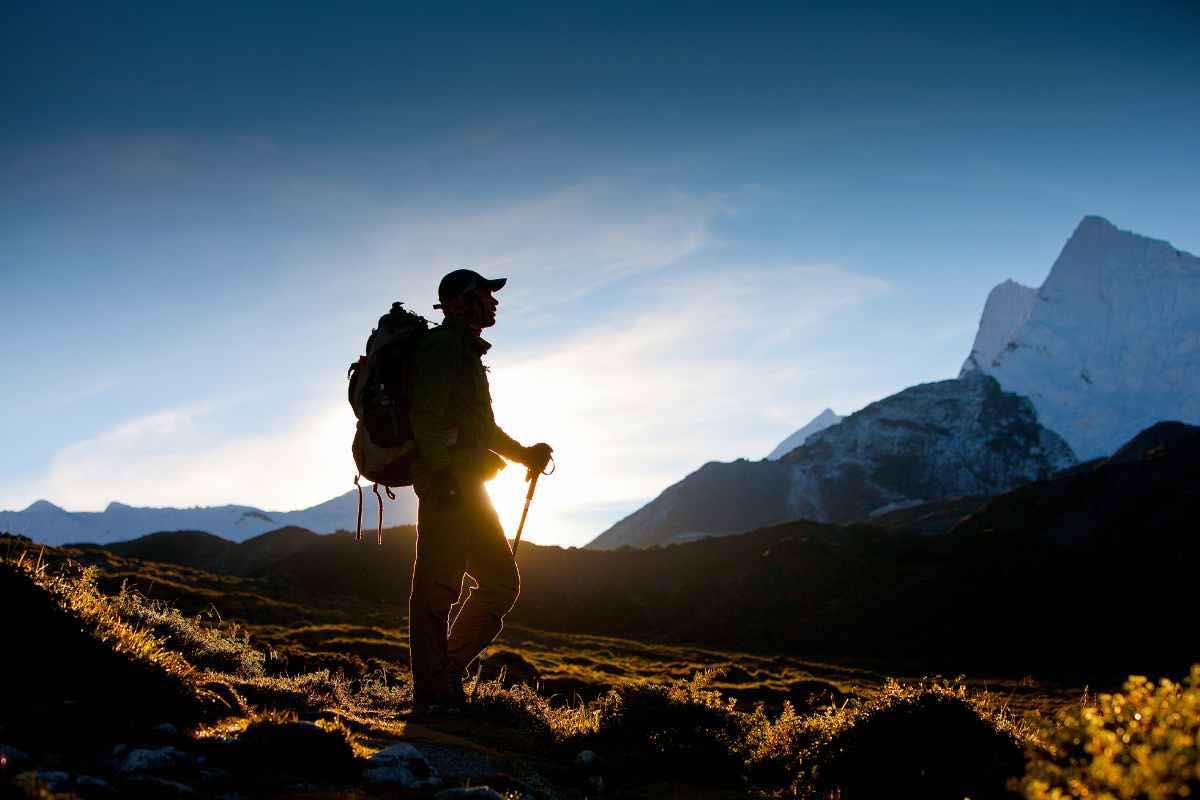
(480, 344)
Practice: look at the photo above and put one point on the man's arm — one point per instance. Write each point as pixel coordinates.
(500, 442)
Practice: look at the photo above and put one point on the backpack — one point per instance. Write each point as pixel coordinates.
(383, 445)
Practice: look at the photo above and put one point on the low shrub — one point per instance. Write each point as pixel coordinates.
(680, 728)
(1142, 742)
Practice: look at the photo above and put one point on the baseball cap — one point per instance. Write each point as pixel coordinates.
(461, 281)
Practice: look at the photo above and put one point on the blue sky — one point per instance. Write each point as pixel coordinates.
(717, 221)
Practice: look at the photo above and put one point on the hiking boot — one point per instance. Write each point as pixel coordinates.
(450, 699)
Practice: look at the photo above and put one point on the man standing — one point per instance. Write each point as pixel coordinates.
(458, 530)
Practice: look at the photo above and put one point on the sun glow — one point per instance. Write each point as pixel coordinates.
(550, 402)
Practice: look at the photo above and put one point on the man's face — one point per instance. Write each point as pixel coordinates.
(476, 308)
(487, 305)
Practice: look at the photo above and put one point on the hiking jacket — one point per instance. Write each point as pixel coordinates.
(451, 408)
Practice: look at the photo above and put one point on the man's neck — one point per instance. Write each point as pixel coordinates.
(459, 322)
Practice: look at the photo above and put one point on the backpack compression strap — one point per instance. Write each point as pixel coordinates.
(358, 529)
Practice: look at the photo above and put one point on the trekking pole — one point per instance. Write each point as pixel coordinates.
(528, 497)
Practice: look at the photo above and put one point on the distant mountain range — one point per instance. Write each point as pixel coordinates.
(1109, 345)
(47, 523)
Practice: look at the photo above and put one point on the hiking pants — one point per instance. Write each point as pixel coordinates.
(468, 539)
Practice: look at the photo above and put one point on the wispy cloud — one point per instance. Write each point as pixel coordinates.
(200, 455)
(556, 247)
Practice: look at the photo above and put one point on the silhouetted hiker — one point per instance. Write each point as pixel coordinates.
(457, 528)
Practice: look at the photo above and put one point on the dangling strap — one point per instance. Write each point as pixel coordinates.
(391, 495)
(379, 497)
(358, 529)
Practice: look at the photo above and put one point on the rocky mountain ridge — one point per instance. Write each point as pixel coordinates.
(932, 441)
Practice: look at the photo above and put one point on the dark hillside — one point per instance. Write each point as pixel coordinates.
(212, 553)
(254, 554)
(191, 548)
(72, 665)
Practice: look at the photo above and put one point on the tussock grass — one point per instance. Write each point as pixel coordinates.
(931, 739)
(523, 707)
(683, 727)
(218, 647)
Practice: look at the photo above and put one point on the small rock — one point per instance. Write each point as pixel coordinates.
(157, 760)
(586, 758)
(12, 759)
(397, 754)
(91, 782)
(166, 729)
(148, 786)
(54, 779)
(469, 793)
(392, 774)
(118, 749)
(404, 764)
(214, 777)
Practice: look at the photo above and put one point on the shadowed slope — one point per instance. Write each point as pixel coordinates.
(72, 662)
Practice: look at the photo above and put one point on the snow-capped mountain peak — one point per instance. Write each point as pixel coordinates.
(1007, 308)
(1107, 346)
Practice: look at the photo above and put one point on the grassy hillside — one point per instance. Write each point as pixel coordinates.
(125, 694)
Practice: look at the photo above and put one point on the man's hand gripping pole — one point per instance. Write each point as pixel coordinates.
(532, 476)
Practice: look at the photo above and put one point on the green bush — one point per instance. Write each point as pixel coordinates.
(1143, 742)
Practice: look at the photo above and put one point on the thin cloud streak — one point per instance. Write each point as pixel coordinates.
(557, 247)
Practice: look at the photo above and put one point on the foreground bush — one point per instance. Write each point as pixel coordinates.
(931, 740)
(1143, 742)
